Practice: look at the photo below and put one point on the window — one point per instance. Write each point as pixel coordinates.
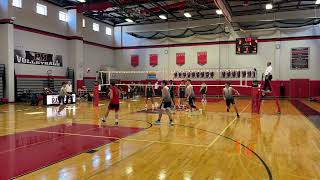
(95, 27)
(41, 9)
(108, 31)
(17, 3)
(83, 23)
(63, 16)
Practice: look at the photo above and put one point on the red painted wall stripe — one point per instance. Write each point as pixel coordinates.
(98, 45)
(43, 76)
(6, 21)
(40, 76)
(28, 29)
(45, 33)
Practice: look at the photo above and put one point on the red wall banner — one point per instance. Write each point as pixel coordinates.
(134, 60)
(153, 59)
(180, 59)
(202, 58)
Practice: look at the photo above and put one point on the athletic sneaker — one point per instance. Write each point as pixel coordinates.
(116, 123)
(171, 123)
(238, 116)
(227, 109)
(103, 120)
(157, 122)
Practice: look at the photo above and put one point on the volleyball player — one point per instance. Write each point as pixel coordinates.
(149, 93)
(191, 97)
(172, 89)
(203, 92)
(166, 104)
(267, 79)
(228, 97)
(63, 93)
(182, 94)
(114, 94)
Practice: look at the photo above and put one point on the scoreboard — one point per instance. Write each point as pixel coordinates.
(246, 45)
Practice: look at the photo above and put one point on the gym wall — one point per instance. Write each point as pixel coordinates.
(48, 34)
(222, 55)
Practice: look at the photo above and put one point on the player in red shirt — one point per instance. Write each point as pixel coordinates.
(114, 94)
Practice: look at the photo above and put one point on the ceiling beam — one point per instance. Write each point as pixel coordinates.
(163, 9)
(298, 5)
(224, 6)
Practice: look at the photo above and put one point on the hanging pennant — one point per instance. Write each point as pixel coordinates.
(180, 59)
(134, 60)
(202, 58)
(153, 59)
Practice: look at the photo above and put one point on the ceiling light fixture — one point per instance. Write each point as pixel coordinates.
(129, 20)
(269, 6)
(162, 16)
(219, 11)
(188, 15)
(82, 0)
(318, 2)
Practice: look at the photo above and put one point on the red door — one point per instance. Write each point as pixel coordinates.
(299, 88)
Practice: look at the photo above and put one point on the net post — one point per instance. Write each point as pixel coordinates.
(109, 77)
(246, 79)
(240, 78)
(101, 76)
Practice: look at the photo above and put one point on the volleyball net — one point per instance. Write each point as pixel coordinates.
(214, 80)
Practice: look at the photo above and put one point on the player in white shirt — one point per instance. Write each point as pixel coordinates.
(191, 97)
(156, 88)
(62, 94)
(267, 77)
(69, 91)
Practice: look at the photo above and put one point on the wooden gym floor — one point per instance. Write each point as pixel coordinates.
(212, 144)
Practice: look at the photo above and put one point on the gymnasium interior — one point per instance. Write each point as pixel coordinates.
(143, 44)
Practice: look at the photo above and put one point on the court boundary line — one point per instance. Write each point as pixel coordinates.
(164, 142)
(116, 138)
(225, 129)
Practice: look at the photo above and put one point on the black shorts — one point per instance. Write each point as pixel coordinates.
(191, 101)
(269, 77)
(230, 101)
(166, 105)
(182, 95)
(115, 107)
(61, 100)
(172, 95)
(149, 95)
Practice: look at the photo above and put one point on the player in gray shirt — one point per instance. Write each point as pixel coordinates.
(228, 97)
(166, 103)
(62, 94)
